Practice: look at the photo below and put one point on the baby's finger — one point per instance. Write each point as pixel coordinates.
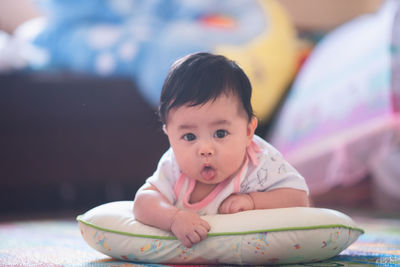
(186, 242)
(206, 225)
(202, 232)
(224, 208)
(194, 237)
(236, 207)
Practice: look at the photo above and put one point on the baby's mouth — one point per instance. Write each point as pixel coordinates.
(208, 173)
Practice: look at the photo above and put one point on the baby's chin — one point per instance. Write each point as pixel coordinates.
(207, 182)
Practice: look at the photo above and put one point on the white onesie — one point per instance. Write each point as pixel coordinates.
(264, 170)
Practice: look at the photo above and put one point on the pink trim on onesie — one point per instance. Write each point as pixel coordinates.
(251, 154)
(252, 151)
(179, 184)
(236, 183)
(201, 204)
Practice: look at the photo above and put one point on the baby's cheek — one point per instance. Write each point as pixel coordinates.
(234, 159)
(185, 162)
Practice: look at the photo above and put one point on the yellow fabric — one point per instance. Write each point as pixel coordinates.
(269, 60)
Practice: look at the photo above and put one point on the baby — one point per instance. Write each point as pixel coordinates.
(215, 164)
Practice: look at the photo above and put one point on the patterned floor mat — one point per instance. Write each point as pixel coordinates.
(59, 243)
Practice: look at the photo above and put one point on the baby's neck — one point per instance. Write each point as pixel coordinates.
(201, 191)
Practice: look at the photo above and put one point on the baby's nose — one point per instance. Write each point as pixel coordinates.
(206, 154)
(206, 151)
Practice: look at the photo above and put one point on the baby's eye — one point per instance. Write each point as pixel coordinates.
(189, 137)
(220, 133)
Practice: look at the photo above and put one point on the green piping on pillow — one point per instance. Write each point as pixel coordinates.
(79, 218)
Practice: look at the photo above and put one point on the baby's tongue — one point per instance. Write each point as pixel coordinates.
(208, 173)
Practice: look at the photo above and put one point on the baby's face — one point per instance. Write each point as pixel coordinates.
(209, 141)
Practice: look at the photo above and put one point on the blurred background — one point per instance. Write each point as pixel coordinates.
(80, 81)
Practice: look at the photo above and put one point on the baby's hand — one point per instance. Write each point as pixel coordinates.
(236, 203)
(189, 228)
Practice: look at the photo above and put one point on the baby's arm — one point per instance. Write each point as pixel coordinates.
(152, 208)
(277, 198)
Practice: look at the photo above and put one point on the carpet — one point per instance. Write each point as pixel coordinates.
(59, 243)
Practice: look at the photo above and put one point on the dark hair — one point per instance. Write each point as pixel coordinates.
(201, 77)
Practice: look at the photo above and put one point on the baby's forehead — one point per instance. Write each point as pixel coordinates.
(221, 103)
(224, 98)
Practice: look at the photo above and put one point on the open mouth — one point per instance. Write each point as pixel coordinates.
(208, 173)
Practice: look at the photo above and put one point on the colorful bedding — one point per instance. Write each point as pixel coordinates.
(342, 116)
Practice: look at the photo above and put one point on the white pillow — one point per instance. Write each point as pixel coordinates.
(274, 236)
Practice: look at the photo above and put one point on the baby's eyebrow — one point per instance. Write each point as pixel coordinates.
(187, 127)
(220, 122)
(213, 123)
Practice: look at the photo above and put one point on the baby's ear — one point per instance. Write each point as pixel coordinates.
(251, 128)
(164, 128)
